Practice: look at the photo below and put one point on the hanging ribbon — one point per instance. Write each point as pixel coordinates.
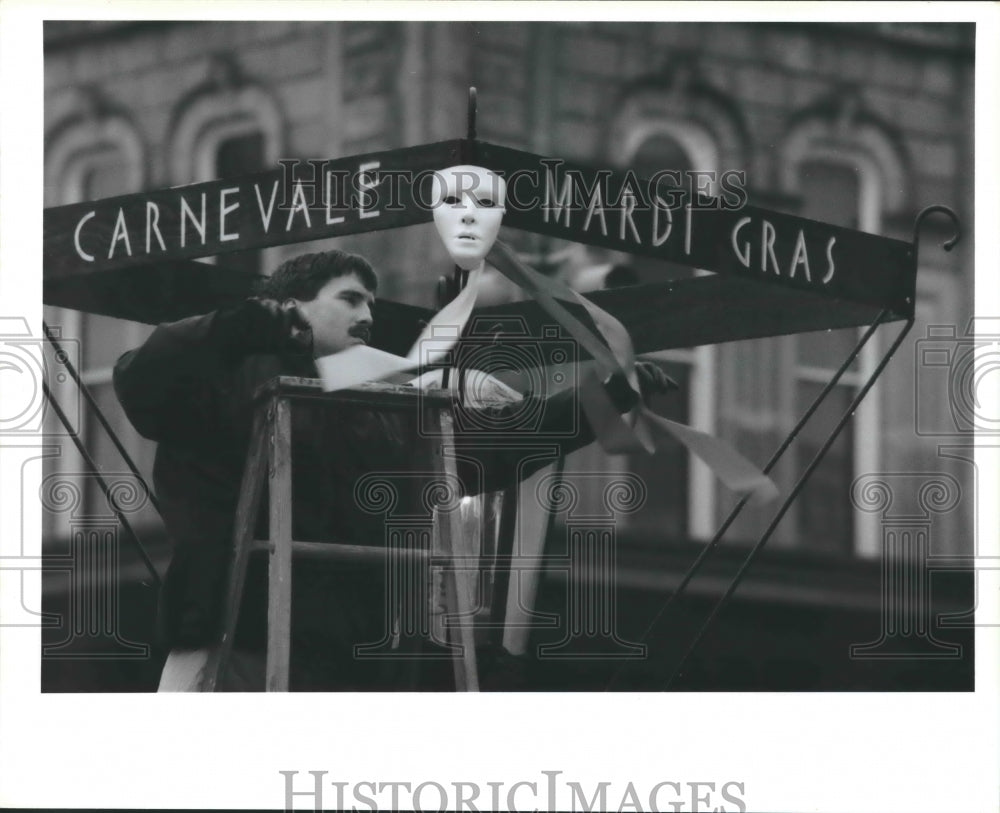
(445, 329)
(360, 364)
(644, 429)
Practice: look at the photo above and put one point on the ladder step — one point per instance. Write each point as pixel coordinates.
(338, 551)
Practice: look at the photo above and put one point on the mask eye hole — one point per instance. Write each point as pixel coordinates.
(451, 200)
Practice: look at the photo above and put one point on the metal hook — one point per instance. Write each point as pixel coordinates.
(947, 245)
(472, 114)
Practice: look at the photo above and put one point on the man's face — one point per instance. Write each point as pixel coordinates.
(340, 316)
(468, 208)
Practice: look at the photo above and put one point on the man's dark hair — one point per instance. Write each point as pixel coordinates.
(302, 277)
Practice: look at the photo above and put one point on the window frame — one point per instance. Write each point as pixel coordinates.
(702, 151)
(881, 190)
(210, 118)
(80, 146)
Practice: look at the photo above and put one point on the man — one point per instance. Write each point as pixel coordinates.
(190, 387)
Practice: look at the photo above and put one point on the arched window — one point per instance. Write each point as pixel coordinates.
(224, 130)
(95, 155)
(92, 155)
(685, 497)
(653, 149)
(846, 170)
(678, 124)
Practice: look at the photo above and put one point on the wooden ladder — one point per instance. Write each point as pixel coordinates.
(270, 460)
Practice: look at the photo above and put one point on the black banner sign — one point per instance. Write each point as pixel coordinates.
(652, 217)
(299, 201)
(308, 200)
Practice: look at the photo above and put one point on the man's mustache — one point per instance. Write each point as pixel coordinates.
(360, 331)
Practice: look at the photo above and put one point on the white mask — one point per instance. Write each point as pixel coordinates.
(468, 208)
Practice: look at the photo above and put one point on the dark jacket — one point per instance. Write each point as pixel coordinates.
(190, 391)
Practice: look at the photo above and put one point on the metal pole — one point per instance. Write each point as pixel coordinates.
(100, 416)
(789, 499)
(738, 508)
(92, 465)
(471, 133)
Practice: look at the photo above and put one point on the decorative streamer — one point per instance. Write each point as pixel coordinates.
(445, 328)
(642, 429)
(361, 363)
(614, 432)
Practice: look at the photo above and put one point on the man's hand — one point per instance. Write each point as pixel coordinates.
(263, 326)
(652, 380)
